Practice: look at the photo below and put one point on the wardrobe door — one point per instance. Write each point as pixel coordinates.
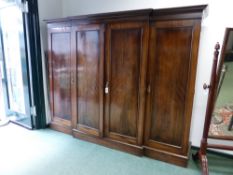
(126, 52)
(60, 77)
(87, 54)
(172, 69)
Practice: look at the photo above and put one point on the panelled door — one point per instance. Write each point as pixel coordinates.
(126, 53)
(87, 89)
(60, 75)
(172, 68)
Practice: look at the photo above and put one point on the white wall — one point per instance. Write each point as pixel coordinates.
(216, 18)
(78, 7)
(213, 30)
(48, 9)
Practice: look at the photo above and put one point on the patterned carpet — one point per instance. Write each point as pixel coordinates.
(221, 120)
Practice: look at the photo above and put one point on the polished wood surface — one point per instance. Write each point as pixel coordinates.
(122, 146)
(88, 54)
(169, 90)
(132, 79)
(169, 157)
(216, 72)
(189, 12)
(201, 154)
(60, 76)
(220, 146)
(125, 44)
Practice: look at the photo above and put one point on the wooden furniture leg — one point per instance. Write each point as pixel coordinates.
(203, 160)
(201, 155)
(204, 165)
(231, 124)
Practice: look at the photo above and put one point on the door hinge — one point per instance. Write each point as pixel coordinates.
(33, 111)
(24, 7)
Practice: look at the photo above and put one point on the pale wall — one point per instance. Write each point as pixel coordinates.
(48, 9)
(77, 7)
(216, 18)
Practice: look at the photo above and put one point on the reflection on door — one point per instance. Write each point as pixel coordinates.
(15, 79)
(13, 49)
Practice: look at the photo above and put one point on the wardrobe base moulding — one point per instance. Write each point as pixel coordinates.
(136, 150)
(168, 157)
(133, 149)
(61, 128)
(126, 80)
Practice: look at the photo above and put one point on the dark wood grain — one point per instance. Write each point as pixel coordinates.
(60, 77)
(124, 55)
(130, 15)
(133, 149)
(147, 60)
(88, 78)
(201, 154)
(220, 137)
(170, 96)
(212, 97)
(218, 146)
(58, 126)
(169, 157)
(179, 13)
(89, 81)
(173, 53)
(189, 12)
(124, 81)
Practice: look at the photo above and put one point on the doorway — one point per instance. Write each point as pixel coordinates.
(15, 65)
(3, 119)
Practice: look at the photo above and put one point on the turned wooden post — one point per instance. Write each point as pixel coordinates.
(201, 154)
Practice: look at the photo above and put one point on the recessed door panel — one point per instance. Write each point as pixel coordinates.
(124, 81)
(89, 88)
(60, 74)
(125, 61)
(171, 67)
(170, 96)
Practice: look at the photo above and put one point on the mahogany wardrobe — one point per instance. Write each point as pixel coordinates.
(126, 80)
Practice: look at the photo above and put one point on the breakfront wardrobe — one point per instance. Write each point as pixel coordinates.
(126, 80)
